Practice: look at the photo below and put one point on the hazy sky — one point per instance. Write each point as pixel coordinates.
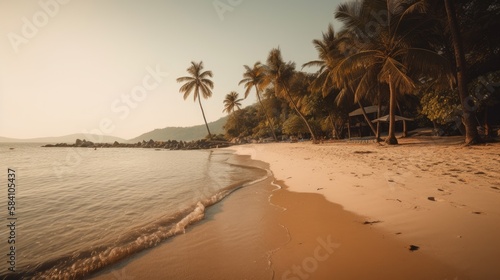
(70, 66)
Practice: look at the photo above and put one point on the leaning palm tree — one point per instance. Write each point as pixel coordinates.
(199, 82)
(256, 78)
(232, 102)
(391, 47)
(281, 73)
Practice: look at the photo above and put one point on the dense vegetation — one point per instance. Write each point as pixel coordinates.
(435, 61)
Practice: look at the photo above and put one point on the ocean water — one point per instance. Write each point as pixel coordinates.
(79, 210)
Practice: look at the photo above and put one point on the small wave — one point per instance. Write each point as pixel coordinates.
(81, 264)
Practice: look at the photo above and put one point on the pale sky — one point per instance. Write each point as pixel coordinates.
(72, 66)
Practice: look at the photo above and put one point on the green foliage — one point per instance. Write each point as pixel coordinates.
(242, 123)
(440, 106)
(218, 137)
(484, 90)
(294, 125)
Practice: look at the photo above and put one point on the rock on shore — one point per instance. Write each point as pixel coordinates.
(170, 144)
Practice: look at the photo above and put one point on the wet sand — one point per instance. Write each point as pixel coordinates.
(235, 239)
(289, 236)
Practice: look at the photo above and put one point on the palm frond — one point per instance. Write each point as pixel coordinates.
(184, 79)
(395, 71)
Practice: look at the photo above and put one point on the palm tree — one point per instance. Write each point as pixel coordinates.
(256, 78)
(232, 102)
(199, 82)
(328, 56)
(331, 50)
(390, 48)
(471, 134)
(281, 73)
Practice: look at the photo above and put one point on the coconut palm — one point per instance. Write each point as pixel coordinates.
(232, 102)
(256, 78)
(199, 82)
(471, 134)
(281, 73)
(328, 56)
(331, 50)
(390, 46)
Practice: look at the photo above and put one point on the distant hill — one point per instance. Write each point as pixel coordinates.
(182, 133)
(66, 139)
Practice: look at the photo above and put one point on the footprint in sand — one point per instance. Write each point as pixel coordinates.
(371, 222)
(432, 198)
(457, 205)
(445, 192)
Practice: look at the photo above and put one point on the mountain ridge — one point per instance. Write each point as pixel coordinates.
(182, 133)
(160, 134)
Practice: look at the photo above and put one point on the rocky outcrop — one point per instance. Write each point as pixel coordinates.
(170, 144)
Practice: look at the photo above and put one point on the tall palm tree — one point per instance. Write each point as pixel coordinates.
(199, 82)
(328, 56)
(389, 47)
(232, 102)
(471, 133)
(256, 78)
(331, 50)
(280, 73)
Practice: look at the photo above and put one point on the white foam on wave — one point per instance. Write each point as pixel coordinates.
(197, 214)
(82, 264)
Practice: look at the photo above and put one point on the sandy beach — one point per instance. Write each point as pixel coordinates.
(426, 209)
(432, 193)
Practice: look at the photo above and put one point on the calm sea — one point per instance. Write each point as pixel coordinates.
(79, 210)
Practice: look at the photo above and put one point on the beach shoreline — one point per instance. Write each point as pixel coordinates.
(329, 218)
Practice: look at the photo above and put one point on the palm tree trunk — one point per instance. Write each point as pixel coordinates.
(300, 114)
(379, 109)
(269, 121)
(367, 119)
(205, 119)
(349, 127)
(487, 127)
(391, 138)
(405, 132)
(471, 134)
(334, 127)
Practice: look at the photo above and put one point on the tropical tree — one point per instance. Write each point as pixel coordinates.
(331, 50)
(281, 73)
(328, 56)
(256, 78)
(242, 123)
(468, 118)
(389, 46)
(232, 102)
(199, 82)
